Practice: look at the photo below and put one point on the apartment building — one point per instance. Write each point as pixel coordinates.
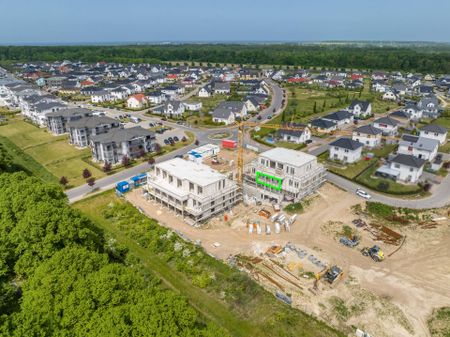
(57, 121)
(112, 146)
(193, 190)
(82, 129)
(282, 174)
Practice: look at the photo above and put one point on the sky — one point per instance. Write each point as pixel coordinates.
(116, 21)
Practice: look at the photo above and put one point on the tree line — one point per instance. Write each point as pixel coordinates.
(434, 59)
(59, 276)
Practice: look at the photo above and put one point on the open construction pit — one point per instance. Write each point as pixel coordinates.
(394, 297)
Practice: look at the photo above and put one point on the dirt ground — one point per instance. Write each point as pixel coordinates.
(227, 160)
(391, 298)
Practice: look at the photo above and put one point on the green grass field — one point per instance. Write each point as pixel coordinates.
(230, 299)
(54, 154)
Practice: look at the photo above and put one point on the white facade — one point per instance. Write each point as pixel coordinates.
(440, 137)
(193, 106)
(192, 190)
(283, 175)
(407, 173)
(345, 155)
(204, 93)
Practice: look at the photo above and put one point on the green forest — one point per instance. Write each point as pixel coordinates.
(426, 58)
(59, 276)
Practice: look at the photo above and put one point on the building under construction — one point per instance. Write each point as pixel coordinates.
(281, 175)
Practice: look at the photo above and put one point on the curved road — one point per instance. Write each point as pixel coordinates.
(439, 198)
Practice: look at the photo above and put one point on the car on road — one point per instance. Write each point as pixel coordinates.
(269, 117)
(363, 194)
(309, 141)
(135, 119)
(258, 117)
(179, 156)
(151, 124)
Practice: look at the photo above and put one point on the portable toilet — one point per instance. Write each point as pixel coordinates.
(122, 187)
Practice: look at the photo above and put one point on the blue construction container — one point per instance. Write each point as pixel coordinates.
(123, 187)
(139, 180)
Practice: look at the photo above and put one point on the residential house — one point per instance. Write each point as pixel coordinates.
(137, 101)
(390, 95)
(413, 111)
(193, 106)
(388, 125)
(429, 106)
(360, 109)
(221, 88)
(341, 118)
(345, 150)
(323, 125)
(252, 103)
(156, 97)
(294, 133)
(403, 168)
(171, 108)
(368, 135)
(223, 115)
(238, 108)
(111, 147)
(434, 131)
(101, 97)
(205, 92)
(420, 147)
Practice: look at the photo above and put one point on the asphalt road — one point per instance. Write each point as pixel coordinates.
(439, 198)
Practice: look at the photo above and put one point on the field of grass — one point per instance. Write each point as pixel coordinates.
(439, 323)
(443, 121)
(54, 154)
(229, 298)
(25, 162)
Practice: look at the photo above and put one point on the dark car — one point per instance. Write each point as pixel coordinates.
(309, 141)
(175, 138)
(170, 139)
(258, 117)
(166, 141)
(269, 117)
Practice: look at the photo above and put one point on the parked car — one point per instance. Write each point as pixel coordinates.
(363, 194)
(269, 117)
(258, 117)
(135, 119)
(175, 138)
(151, 124)
(166, 141)
(309, 141)
(170, 139)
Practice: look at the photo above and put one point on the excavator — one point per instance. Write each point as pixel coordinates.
(330, 274)
(374, 252)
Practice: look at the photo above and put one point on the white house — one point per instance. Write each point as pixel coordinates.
(205, 92)
(137, 101)
(420, 147)
(413, 111)
(403, 168)
(341, 117)
(345, 150)
(389, 96)
(193, 106)
(171, 108)
(368, 135)
(388, 125)
(434, 131)
(100, 97)
(298, 136)
(238, 108)
(360, 109)
(156, 97)
(222, 115)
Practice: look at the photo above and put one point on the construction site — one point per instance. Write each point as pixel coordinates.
(313, 245)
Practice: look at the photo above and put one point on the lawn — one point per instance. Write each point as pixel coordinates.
(390, 186)
(443, 121)
(54, 154)
(231, 298)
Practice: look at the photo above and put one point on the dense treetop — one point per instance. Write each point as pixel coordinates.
(435, 59)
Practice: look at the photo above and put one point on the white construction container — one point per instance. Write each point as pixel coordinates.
(274, 217)
(258, 229)
(250, 229)
(268, 231)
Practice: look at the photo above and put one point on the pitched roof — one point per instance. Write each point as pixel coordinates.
(338, 115)
(408, 160)
(322, 123)
(222, 113)
(347, 143)
(421, 143)
(92, 122)
(119, 135)
(363, 104)
(368, 130)
(434, 128)
(387, 121)
(70, 112)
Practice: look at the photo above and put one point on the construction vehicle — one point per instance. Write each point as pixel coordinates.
(349, 242)
(375, 253)
(334, 273)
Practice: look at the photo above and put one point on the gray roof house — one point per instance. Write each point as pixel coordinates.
(360, 108)
(113, 146)
(339, 117)
(420, 147)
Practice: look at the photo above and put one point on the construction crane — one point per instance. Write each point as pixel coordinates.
(241, 135)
